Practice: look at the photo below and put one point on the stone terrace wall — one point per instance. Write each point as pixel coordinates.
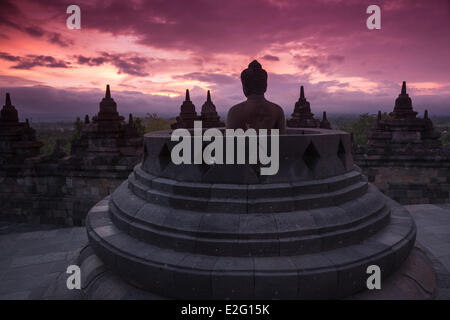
(410, 182)
(54, 194)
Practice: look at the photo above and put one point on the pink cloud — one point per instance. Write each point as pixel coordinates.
(164, 46)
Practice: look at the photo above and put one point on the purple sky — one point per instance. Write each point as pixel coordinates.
(151, 51)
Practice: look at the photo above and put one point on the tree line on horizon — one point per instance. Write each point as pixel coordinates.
(359, 125)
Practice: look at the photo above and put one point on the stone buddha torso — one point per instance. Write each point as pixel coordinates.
(256, 113)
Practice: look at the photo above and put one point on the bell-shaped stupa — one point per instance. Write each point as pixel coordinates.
(209, 116)
(403, 133)
(187, 114)
(108, 108)
(403, 106)
(108, 136)
(17, 139)
(302, 117)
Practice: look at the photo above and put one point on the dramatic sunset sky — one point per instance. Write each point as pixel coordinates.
(151, 51)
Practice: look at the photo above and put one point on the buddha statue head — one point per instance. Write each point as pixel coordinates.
(254, 79)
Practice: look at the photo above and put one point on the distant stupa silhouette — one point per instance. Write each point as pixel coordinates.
(302, 117)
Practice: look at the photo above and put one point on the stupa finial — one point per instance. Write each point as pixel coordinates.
(425, 116)
(8, 100)
(404, 87)
(208, 96)
(108, 92)
(302, 93)
(325, 124)
(188, 98)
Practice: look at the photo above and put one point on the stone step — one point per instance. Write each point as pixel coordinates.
(302, 222)
(246, 234)
(266, 245)
(244, 204)
(245, 191)
(176, 274)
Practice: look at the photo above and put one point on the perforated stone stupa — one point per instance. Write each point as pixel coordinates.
(302, 117)
(208, 116)
(404, 156)
(108, 138)
(17, 139)
(227, 232)
(403, 133)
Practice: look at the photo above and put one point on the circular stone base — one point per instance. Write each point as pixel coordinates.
(414, 280)
(344, 274)
(228, 232)
(326, 263)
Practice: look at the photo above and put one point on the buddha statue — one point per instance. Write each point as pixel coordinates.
(256, 112)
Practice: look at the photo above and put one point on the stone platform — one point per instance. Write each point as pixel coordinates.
(225, 232)
(33, 259)
(404, 156)
(420, 277)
